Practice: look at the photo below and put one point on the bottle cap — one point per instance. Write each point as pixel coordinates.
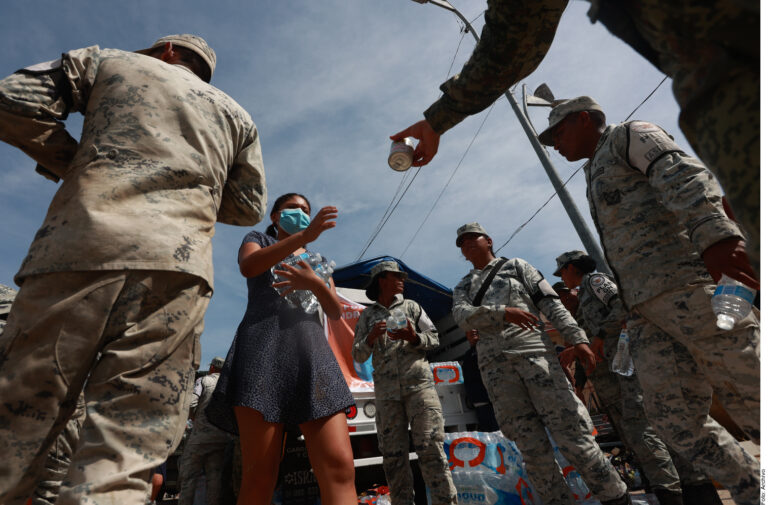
(725, 322)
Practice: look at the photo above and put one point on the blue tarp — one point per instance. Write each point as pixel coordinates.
(435, 298)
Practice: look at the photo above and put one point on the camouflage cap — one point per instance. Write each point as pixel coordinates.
(372, 289)
(569, 257)
(217, 362)
(562, 110)
(469, 228)
(196, 44)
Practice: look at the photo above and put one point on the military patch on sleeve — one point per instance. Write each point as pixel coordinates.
(546, 289)
(646, 143)
(603, 288)
(425, 323)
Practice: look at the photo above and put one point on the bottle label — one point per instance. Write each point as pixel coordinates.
(739, 291)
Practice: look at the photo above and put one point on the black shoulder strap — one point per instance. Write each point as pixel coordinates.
(487, 282)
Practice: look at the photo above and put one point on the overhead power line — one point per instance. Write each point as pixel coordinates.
(390, 208)
(448, 181)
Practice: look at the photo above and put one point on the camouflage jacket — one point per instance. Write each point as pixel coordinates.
(683, 39)
(399, 367)
(203, 432)
(515, 39)
(162, 157)
(7, 295)
(517, 284)
(656, 209)
(601, 311)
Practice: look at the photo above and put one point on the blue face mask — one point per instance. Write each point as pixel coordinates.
(293, 220)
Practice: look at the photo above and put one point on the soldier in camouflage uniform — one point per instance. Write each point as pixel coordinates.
(527, 386)
(601, 312)
(665, 235)
(7, 295)
(405, 389)
(205, 449)
(116, 282)
(711, 51)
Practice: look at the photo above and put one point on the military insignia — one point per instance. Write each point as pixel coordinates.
(646, 143)
(602, 288)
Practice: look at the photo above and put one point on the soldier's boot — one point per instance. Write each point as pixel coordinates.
(701, 494)
(667, 497)
(622, 500)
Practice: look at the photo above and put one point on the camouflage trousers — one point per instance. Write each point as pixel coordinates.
(59, 458)
(622, 399)
(422, 410)
(129, 341)
(208, 458)
(529, 393)
(681, 357)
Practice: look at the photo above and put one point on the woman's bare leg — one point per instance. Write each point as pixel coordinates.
(261, 444)
(330, 453)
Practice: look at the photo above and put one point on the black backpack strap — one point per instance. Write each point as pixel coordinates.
(487, 282)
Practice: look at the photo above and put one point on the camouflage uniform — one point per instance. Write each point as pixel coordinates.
(656, 209)
(117, 280)
(7, 295)
(204, 450)
(602, 314)
(527, 386)
(710, 51)
(405, 394)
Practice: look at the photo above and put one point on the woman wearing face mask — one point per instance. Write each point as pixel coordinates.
(280, 369)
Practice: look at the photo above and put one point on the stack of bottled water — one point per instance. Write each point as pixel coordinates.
(622, 363)
(304, 298)
(731, 302)
(396, 321)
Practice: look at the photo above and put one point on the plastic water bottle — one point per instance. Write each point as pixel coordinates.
(622, 361)
(731, 302)
(304, 298)
(396, 321)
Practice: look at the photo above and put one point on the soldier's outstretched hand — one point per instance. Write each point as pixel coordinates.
(521, 318)
(429, 140)
(729, 257)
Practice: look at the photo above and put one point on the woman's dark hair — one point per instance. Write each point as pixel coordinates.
(272, 229)
(585, 264)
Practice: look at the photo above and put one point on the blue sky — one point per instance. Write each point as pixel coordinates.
(327, 83)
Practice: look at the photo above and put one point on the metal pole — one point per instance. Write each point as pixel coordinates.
(590, 244)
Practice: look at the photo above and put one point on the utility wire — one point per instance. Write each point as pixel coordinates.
(391, 209)
(519, 228)
(418, 169)
(372, 236)
(402, 254)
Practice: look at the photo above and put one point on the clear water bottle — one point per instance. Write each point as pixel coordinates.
(731, 302)
(396, 321)
(622, 361)
(305, 298)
